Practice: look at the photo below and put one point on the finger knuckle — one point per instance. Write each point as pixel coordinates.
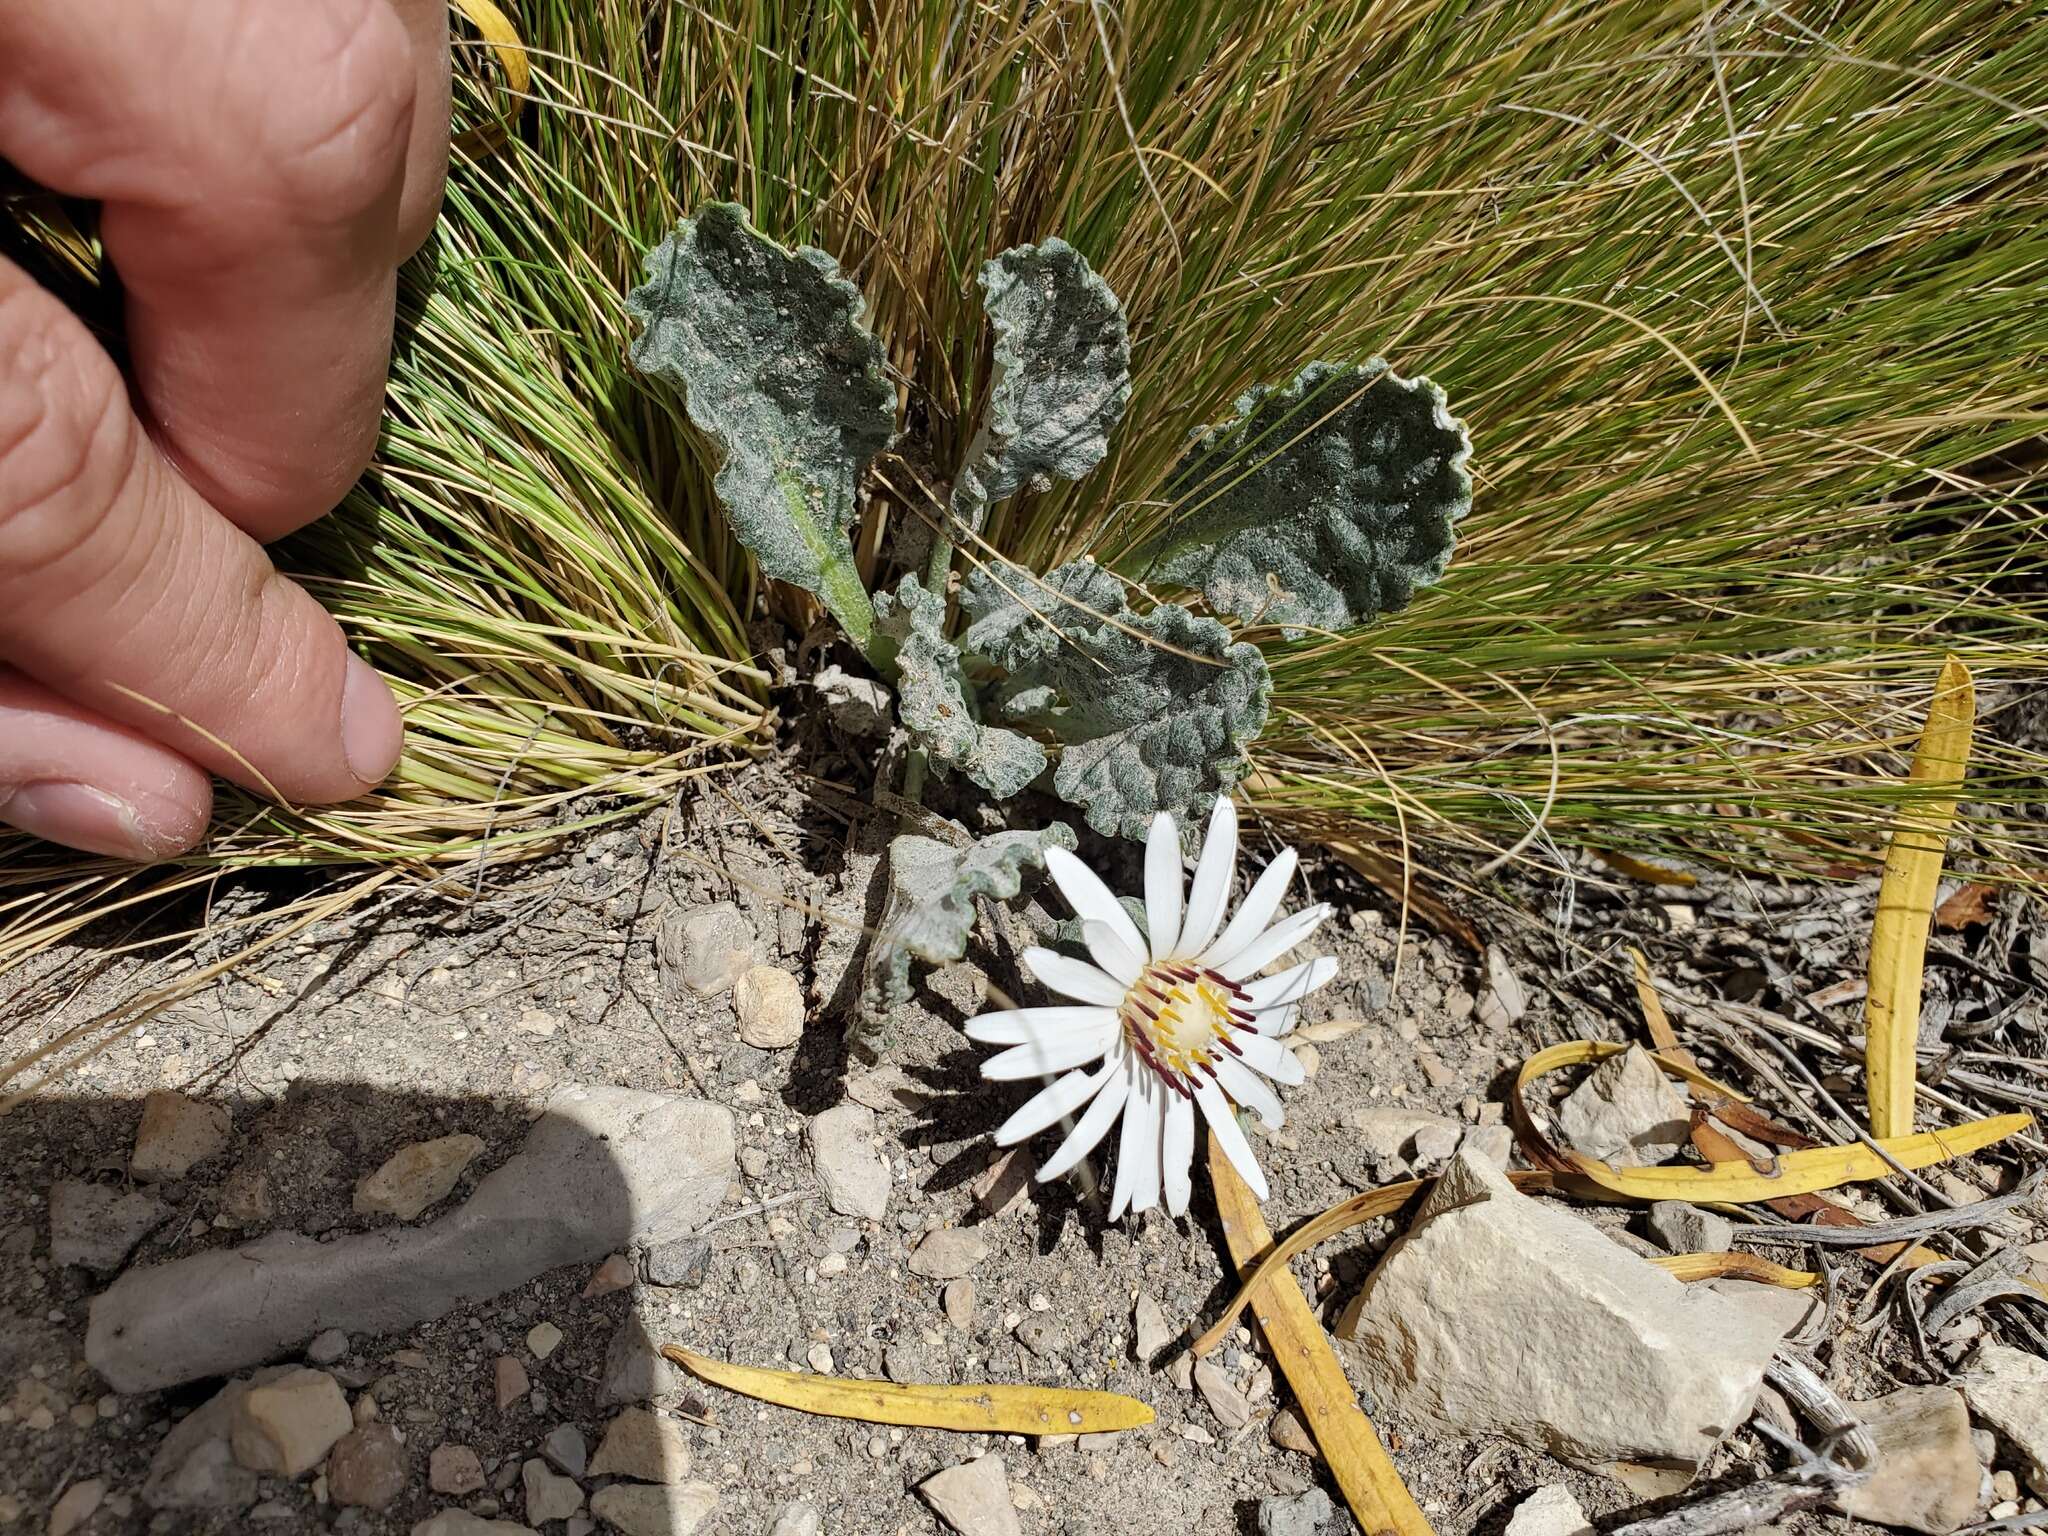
(68, 442)
(335, 142)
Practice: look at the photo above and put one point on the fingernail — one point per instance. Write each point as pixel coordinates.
(371, 732)
(80, 816)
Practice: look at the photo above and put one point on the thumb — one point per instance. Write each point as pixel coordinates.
(124, 591)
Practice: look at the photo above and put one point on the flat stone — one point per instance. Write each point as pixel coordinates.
(194, 1465)
(638, 1509)
(415, 1177)
(1500, 1314)
(1503, 1002)
(770, 1005)
(245, 1200)
(887, 1088)
(509, 1381)
(460, 1522)
(1626, 1113)
(176, 1135)
(1290, 1434)
(958, 1300)
(1302, 1515)
(75, 1506)
(1148, 1318)
(549, 1495)
(602, 1170)
(1782, 1310)
(973, 1498)
(326, 1347)
(614, 1274)
(566, 1450)
(682, 1262)
(707, 949)
(642, 1444)
(1927, 1475)
(367, 1467)
(1684, 1228)
(1435, 1145)
(543, 1339)
(848, 1160)
(1387, 1135)
(2007, 1389)
(96, 1227)
(1549, 1511)
(285, 1428)
(1001, 1187)
(948, 1253)
(454, 1469)
(1222, 1396)
(634, 1371)
(859, 706)
(798, 1519)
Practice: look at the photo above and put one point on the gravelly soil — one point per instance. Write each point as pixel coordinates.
(425, 1020)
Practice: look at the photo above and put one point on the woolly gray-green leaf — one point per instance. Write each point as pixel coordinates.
(930, 910)
(1322, 504)
(1155, 712)
(1062, 373)
(935, 701)
(778, 370)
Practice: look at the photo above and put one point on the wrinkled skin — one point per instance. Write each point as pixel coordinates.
(262, 170)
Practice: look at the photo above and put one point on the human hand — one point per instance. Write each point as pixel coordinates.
(262, 168)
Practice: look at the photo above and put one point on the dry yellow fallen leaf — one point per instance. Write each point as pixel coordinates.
(1365, 1473)
(985, 1409)
(1736, 1266)
(497, 30)
(1790, 1173)
(1905, 904)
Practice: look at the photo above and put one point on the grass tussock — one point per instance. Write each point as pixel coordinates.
(1740, 301)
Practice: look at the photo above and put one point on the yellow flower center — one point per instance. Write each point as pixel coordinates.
(1178, 1016)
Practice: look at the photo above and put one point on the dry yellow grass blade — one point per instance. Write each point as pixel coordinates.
(1364, 1471)
(1791, 1173)
(496, 29)
(1905, 904)
(1644, 870)
(1662, 1035)
(1736, 1266)
(988, 1409)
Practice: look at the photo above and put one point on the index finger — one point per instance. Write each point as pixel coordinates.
(261, 176)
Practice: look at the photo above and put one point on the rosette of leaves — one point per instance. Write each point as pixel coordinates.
(931, 904)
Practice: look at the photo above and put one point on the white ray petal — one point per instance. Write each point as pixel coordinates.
(1110, 951)
(1089, 897)
(1250, 919)
(1138, 1148)
(1164, 891)
(1049, 1054)
(1216, 1109)
(1269, 1056)
(1073, 978)
(1062, 1097)
(1145, 1177)
(1094, 1125)
(1247, 1088)
(1274, 1023)
(1211, 888)
(1177, 1154)
(1274, 942)
(1292, 984)
(1013, 1026)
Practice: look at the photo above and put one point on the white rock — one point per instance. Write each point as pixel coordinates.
(644, 1445)
(1683, 1227)
(176, 1135)
(603, 1169)
(709, 948)
(642, 1510)
(549, 1495)
(1387, 1134)
(285, 1428)
(75, 1506)
(973, 1498)
(958, 1300)
(1549, 1511)
(1502, 1003)
(1927, 1475)
(849, 1162)
(770, 1005)
(416, 1176)
(1498, 1314)
(859, 706)
(1222, 1396)
(634, 1370)
(948, 1253)
(2007, 1388)
(1626, 1112)
(98, 1227)
(460, 1522)
(1149, 1318)
(1785, 1311)
(798, 1519)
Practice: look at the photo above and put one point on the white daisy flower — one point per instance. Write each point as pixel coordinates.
(1169, 1015)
